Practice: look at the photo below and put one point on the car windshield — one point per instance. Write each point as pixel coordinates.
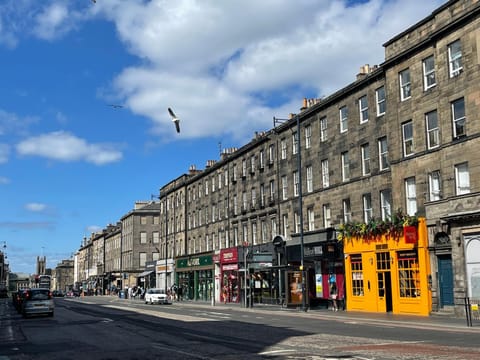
(157, 291)
(39, 294)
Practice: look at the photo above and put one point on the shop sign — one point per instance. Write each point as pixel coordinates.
(230, 267)
(196, 261)
(410, 234)
(313, 251)
(229, 255)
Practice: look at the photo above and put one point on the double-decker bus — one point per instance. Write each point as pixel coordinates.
(44, 281)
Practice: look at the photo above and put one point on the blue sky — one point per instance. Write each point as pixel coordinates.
(70, 164)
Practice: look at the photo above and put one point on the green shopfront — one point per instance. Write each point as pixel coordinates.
(195, 275)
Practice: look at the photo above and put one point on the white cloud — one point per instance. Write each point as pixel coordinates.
(11, 123)
(4, 153)
(35, 207)
(4, 180)
(227, 68)
(52, 21)
(94, 229)
(63, 146)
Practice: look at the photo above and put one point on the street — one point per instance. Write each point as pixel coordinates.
(110, 328)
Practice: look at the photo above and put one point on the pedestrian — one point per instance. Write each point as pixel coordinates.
(333, 296)
(180, 293)
(225, 294)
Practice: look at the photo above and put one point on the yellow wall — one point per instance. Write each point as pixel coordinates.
(373, 301)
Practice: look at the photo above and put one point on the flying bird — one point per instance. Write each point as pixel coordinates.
(175, 119)
(115, 106)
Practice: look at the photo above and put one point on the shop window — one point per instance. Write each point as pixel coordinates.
(357, 274)
(408, 274)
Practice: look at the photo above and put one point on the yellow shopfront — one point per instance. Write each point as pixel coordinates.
(389, 273)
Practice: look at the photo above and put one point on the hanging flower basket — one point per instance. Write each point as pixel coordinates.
(394, 227)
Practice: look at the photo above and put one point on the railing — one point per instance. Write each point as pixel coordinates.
(472, 311)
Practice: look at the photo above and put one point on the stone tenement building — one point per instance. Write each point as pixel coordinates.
(62, 278)
(404, 135)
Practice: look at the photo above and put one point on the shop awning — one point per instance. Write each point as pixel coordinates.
(145, 273)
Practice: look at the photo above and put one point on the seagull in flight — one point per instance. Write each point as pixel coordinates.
(175, 119)
(115, 106)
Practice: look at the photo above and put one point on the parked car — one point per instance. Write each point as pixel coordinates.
(157, 296)
(17, 299)
(37, 301)
(3, 292)
(58, 293)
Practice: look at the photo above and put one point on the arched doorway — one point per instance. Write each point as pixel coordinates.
(472, 259)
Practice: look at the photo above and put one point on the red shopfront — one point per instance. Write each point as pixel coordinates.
(230, 291)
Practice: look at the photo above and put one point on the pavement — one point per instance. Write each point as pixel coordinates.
(436, 321)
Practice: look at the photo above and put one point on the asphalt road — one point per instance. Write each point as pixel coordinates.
(104, 328)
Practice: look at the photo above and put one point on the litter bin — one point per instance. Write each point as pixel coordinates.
(121, 294)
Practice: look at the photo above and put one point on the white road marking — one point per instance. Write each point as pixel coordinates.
(170, 349)
(169, 316)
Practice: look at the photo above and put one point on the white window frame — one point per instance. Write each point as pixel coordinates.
(458, 118)
(296, 221)
(235, 204)
(462, 179)
(285, 224)
(252, 164)
(273, 225)
(284, 187)
(271, 154)
(296, 187)
(327, 216)
(244, 167)
(380, 100)
(309, 178)
(308, 136)
(429, 80)
(343, 114)
(383, 153)
(345, 166)
(433, 130)
(262, 195)
(365, 152)
(407, 138)
(363, 109)
(262, 159)
(435, 186)
(325, 174)
(455, 65)
(254, 233)
(367, 207)
(143, 237)
(347, 211)
(142, 259)
(411, 196)
(311, 219)
(405, 85)
(323, 129)
(283, 149)
(386, 204)
(294, 142)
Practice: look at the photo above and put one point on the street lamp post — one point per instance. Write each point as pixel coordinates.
(300, 206)
(166, 242)
(176, 122)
